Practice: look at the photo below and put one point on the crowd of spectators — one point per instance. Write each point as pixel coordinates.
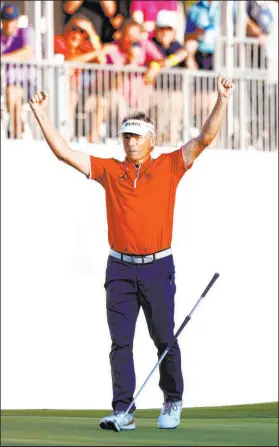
(135, 33)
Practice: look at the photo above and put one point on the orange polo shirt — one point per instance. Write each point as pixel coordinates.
(140, 209)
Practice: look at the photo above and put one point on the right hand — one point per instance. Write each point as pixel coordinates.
(39, 101)
(101, 57)
(86, 25)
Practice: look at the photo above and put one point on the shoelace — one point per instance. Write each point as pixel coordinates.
(168, 407)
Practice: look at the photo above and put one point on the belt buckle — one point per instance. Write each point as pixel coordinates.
(147, 259)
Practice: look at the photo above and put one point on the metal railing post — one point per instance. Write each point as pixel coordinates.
(62, 104)
(186, 106)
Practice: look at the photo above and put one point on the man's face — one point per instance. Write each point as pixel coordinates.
(131, 35)
(137, 147)
(10, 27)
(165, 35)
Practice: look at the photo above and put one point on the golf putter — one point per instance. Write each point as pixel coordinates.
(117, 427)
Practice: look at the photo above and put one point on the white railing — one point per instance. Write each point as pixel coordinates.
(88, 102)
(245, 54)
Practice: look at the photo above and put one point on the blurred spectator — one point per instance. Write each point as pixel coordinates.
(106, 16)
(79, 42)
(165, 32)
(260, 12)
(128, 90)
(112, 24)
(169, 87)
(89, 8)
(259, 25)
(131, 49)
(272, 43)
(145, 12)
(17, 44)
(202, 29)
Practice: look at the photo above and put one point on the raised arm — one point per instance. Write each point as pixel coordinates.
(72, 6)
(193, 148)
(56, 142)
(22, 54)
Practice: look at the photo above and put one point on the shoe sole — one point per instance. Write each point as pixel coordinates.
(109, 425)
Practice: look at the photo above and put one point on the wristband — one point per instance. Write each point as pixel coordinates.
(173, 59)
(155, 65)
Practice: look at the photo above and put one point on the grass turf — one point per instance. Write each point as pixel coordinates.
(245, 425)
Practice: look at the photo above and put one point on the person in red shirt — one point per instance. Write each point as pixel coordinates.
(79, 42)
(140, 196)
(129, 90)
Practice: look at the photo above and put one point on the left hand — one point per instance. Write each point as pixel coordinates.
(117, 21)
(150, 76)
(225, 87)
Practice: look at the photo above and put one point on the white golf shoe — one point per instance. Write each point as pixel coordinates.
(170, 414)
(115, 421)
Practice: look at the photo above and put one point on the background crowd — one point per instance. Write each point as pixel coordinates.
(135, 33)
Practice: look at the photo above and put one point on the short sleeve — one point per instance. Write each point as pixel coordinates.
(192, 22)
(175, 46)
(60, 45)
(99, 169)
(197, 18)
(86, 46)
(177, 164)
(28, 37)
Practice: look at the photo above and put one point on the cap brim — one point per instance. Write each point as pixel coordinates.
(135, 130)
(164, 25)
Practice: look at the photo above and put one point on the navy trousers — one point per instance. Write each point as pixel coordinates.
(128, 288)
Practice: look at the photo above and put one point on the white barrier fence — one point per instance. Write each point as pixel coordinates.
(88, 103)
(55, 341)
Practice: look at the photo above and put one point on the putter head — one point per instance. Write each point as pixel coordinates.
(110, 425)
(116, 427)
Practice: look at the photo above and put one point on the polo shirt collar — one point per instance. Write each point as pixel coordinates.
(147, 164)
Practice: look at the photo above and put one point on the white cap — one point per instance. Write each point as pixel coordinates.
(138, 127)
(166, 18)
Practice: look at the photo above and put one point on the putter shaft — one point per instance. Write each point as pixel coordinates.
(186, 320)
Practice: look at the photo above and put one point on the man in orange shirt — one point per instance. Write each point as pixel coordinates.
(140, 196)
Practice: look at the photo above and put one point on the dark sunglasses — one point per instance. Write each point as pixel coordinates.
(74, 28)
(165, 28)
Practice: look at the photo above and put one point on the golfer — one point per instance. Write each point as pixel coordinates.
(140, 197)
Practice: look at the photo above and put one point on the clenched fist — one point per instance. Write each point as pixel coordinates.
(224, 86)
(39, 101)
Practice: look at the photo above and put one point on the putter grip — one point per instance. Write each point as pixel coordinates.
(188, 318)
(215, 277)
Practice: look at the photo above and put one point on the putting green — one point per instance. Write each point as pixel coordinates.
(245, 425)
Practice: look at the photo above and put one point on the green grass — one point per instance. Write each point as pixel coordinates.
(245, 425)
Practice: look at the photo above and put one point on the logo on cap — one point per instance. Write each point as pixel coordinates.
(132, 123)
(10, 9)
